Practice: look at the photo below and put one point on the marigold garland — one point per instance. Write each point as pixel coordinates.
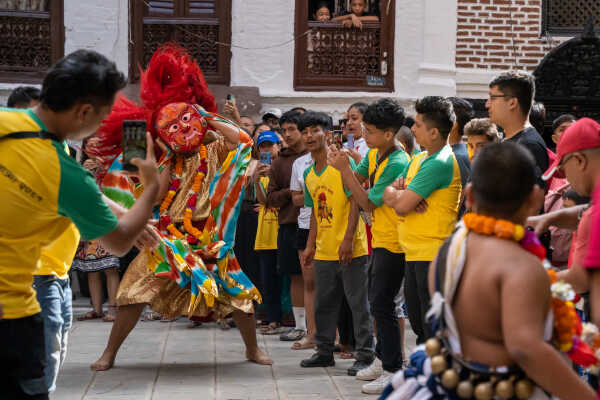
(173, 186)
(193, 234)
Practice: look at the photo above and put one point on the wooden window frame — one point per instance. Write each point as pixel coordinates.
(136, 49)
(547, 30)
(57, 42)
(302, 82)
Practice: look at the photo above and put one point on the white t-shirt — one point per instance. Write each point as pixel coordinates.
(297, 185)
(360, 145)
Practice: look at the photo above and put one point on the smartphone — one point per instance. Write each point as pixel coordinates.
(134, 143)
(230, 98)
(337, 139)
(265, 157)
(350, 141)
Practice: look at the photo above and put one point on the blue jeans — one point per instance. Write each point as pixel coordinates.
(55, 298)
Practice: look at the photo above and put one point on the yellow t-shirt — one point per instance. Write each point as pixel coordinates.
(436, 178)
(384, 219)
(43, 192)
(57, 258)
(326, 195)
(268, 226)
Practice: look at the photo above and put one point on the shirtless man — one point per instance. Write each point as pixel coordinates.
(499, 328)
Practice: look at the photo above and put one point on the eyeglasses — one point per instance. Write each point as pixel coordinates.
(495, 96)
(564, 162)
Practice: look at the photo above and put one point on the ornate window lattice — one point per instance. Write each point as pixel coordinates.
(332, 57)
(195, 25)
(31, 38)
(343, 52)
(569, 16)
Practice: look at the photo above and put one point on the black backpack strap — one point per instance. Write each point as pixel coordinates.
(380, 161)
(30, 135)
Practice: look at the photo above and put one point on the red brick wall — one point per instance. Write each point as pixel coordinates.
(486, 40)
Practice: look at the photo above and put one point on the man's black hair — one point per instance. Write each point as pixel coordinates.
(502, 175)
(22, 96)
(299, 109)
(290, 117)
(517, 84)
(409, 121)
(361, 106)
(385, 114)
(537, 117)
(84, 76)
(576, 197)
(463, 110)
(437, 113)
(314, 118)
(561, 119)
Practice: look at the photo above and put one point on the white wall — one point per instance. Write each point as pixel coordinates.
(425, 41)
(99, 25)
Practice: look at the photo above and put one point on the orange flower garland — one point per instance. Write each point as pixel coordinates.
(500, 228)
(174, 185)
(565, 319)
(166, 225)
(191, 205)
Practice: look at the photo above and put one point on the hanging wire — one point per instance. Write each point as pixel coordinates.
(231, 45)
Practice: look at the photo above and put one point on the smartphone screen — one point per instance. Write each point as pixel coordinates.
(350, 140)
(134, 143)
(337, 139)
(230, 98)
(265, 157)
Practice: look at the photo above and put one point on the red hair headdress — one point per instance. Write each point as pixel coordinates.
(172, 76)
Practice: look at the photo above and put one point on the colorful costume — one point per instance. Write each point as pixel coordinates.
(194, 270)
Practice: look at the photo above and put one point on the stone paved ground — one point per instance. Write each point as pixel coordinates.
(169, 361)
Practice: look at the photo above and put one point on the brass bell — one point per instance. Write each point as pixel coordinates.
(505, 389)
(433, 347)
(465, 390)
(450, 379)
(438, 364)
(524, 389)
(484, 391)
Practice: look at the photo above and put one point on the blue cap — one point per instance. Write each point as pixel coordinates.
(267, 136)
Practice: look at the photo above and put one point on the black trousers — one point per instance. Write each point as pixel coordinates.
(387, 272)
(245, 235)
(416, 295)
(22, 359)
(271, 280)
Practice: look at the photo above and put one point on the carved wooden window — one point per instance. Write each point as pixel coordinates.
(31, 38)
(568, 17)
(199, 26)
(332, 57)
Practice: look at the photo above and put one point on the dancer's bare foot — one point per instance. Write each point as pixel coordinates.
(258, 356)
(104, 363)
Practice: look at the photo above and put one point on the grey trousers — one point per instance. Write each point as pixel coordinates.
(332, 281)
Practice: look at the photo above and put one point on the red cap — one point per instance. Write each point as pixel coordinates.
(583, 134)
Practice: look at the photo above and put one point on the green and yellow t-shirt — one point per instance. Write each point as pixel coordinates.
(268, 226)
(385, 220)
(324, 192)
(44, 191)
(436, 178)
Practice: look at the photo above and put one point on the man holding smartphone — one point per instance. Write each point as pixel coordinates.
(46, 192)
